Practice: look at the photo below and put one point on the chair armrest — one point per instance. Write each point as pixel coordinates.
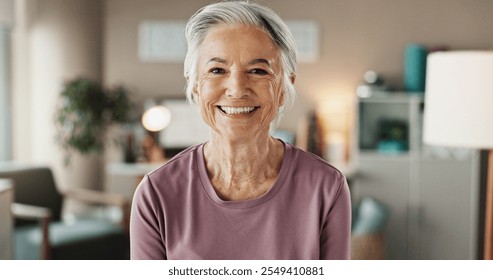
(43, 214)
(25, 211)
(98, 197)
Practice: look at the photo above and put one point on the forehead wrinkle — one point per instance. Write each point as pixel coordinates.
(260, 60)
(217, 59)
(252, 62)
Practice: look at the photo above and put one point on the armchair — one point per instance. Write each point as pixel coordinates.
(40, 232)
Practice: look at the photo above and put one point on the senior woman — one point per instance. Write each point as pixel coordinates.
(242, 194)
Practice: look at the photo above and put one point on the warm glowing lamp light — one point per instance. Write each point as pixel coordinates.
(156, 118)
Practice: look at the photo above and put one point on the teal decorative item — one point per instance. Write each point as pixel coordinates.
(415, 67)
(371, 216)
(392, 136)
(391, 147)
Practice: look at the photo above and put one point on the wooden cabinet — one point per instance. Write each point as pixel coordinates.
(432, 192)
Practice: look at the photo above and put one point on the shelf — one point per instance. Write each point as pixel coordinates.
(375, 155)
(390, 120)
(394, 97)
(413, 180)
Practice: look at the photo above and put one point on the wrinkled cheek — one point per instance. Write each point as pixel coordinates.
(206, 96)
(210, 87)
(207, 112)
(268, 115)
(271, 107)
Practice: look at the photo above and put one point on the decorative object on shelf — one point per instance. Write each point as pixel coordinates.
(129, 155)
(415, 67)
(393, 135)
(85, 112)
(315, 143)
(374, 85)
(458, 111)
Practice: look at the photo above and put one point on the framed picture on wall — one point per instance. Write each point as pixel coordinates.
(162, 41)
(306, 34)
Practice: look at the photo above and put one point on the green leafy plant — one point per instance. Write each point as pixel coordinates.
(85, 112)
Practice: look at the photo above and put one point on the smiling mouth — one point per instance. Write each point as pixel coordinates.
(237, 110)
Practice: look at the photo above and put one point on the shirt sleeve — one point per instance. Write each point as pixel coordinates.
(147, 239)
(336, 232)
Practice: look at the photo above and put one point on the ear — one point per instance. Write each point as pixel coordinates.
(292, 78)
(194, 90)
(282, 98)
(195, 94)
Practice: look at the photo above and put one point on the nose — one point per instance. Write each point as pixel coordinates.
(237, 85)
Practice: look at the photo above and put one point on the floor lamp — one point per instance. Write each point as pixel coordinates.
(459, 111)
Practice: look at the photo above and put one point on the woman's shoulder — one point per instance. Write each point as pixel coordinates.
(169, 180)
(314, 175)
(314, 164)
(182, 159)
(179, 167)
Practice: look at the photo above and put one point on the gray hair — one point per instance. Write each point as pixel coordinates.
(241, 13)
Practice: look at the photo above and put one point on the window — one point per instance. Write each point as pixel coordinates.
(5, 104)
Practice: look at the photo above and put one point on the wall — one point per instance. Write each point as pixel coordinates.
(6, 12)
(6, 22)
(54, 41)
(5, 91)
(356, 35)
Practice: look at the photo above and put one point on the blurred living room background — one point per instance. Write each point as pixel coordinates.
(360, 104)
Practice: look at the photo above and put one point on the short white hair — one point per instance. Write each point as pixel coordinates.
(241, 13)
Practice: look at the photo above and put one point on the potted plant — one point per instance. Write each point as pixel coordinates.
(85, 112)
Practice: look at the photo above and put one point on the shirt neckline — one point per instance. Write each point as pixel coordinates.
(241, 204)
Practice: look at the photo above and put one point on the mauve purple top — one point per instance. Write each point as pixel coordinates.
(176, 213)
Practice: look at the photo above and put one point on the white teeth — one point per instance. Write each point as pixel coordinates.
(237, 110)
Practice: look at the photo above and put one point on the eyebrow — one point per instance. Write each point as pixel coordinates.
(252, 62)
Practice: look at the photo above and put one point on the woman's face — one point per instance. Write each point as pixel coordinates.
(239, 84)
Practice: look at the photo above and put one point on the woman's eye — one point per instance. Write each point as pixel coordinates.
(217, 71)
(259, 71)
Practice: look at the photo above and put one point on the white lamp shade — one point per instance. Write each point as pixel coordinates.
(459, 99)
(156, 118)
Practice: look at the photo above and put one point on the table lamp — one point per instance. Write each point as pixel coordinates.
(459, 111)
(155, 119)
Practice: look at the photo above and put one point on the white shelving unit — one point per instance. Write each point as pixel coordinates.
(432, 192)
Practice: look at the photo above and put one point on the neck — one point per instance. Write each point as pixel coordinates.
(238, 166)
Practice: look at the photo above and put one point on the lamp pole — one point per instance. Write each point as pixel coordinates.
(488, 233)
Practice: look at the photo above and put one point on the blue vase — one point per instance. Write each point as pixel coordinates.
(415, 68)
